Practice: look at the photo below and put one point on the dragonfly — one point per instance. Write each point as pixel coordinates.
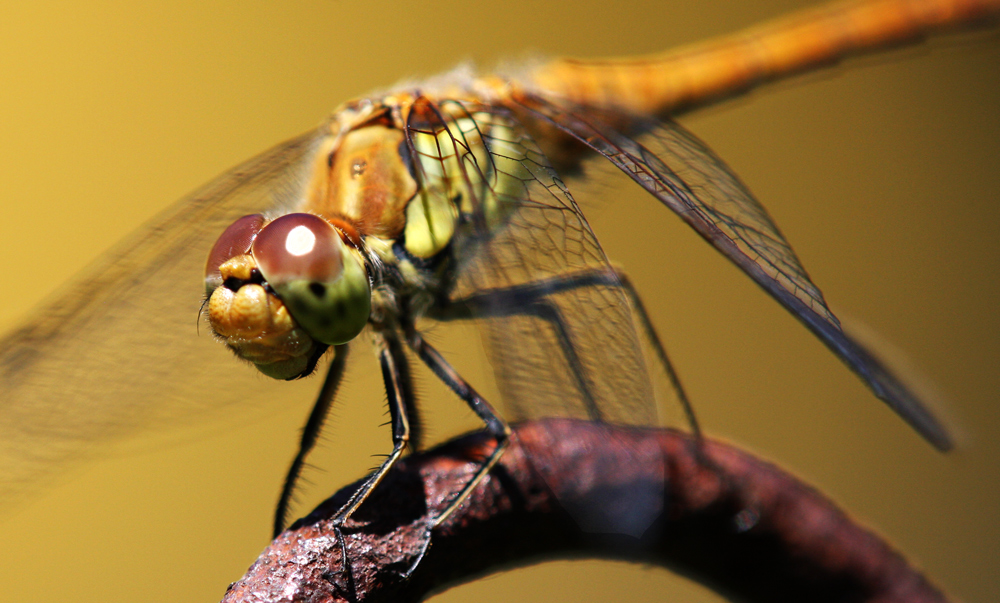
(429, 203)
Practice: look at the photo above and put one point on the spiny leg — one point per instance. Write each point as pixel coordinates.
(512, 300)
(391, 357)
(529, 300)
(495, 424)
(349, 590)
(396, 375)
(661, 352)
(550, 314)
(408, 394)
(310, 432)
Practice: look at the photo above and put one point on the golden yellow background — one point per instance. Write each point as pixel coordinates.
(884, 175)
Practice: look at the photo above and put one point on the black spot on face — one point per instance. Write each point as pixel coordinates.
(256, 278)
(317, 289)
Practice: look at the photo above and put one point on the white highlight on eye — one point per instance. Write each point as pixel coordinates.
(300, 241)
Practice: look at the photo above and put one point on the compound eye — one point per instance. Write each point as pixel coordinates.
(235, 241)
(296, 247)
(321, 280)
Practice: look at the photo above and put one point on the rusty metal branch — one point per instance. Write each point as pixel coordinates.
(738, 524)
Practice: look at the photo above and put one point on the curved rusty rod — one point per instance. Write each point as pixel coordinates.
(738, 524)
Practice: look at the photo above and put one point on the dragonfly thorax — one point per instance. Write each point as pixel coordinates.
(390, 187)
(281, 291)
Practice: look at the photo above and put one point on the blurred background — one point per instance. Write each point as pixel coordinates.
(883, 173)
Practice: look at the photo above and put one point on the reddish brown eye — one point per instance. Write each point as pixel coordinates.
(236, 240)
(298, 247)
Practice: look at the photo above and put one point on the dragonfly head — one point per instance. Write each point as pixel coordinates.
(280, 292)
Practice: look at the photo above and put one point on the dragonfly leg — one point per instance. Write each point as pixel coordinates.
(528, 301)
(408, 396)
(397, 387)
(495, 424)
(661, 352)
(550, 313)
(514, 299)
(309, 434)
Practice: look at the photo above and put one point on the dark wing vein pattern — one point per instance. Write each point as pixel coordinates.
(687, 177)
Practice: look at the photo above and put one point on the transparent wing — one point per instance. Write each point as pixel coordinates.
(561, 344)
(120, 347)
(555, 319)
(688, 178)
